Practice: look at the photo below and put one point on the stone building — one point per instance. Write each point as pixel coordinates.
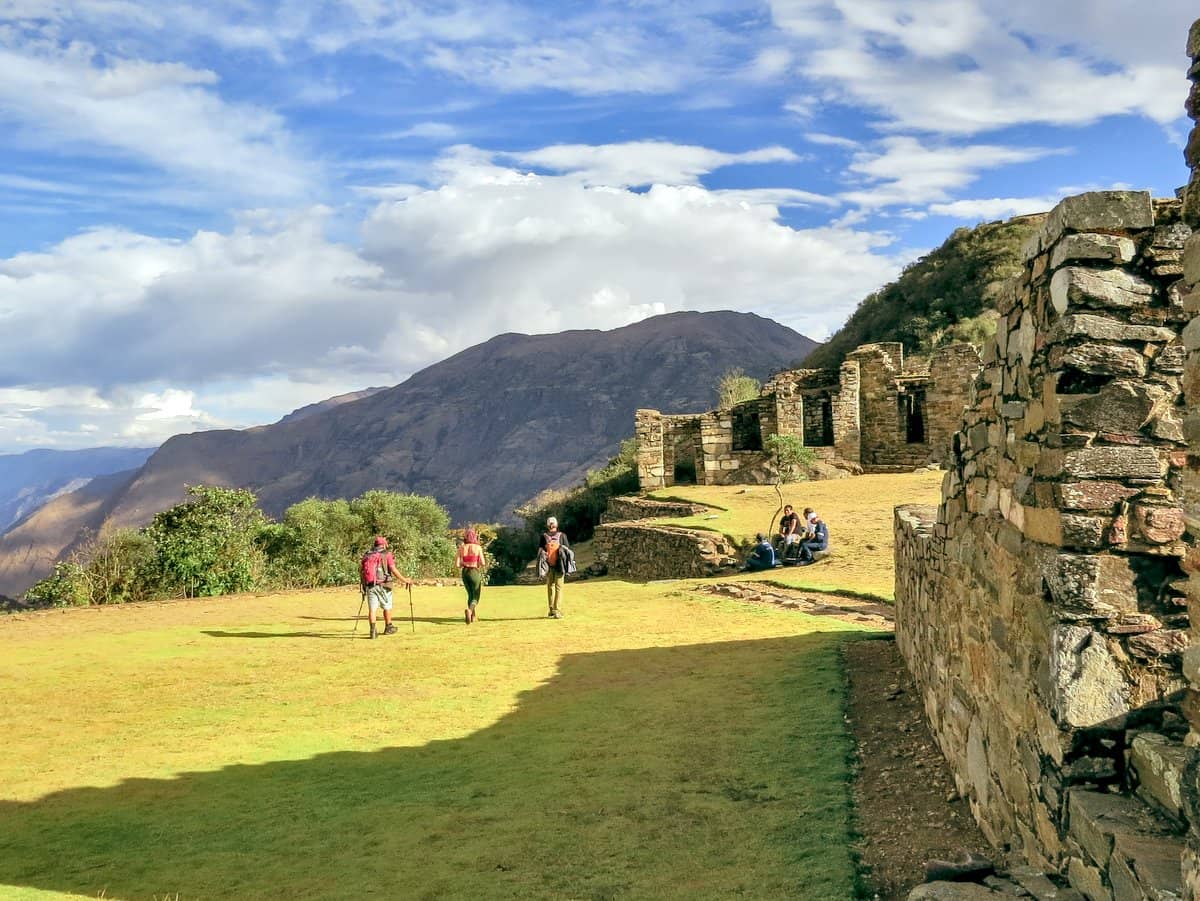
(1043, 606)
(878, 410)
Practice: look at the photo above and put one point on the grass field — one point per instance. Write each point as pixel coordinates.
(653, 744)
(858, 512)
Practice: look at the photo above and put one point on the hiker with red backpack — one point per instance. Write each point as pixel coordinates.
(378, 572)
(555, 561)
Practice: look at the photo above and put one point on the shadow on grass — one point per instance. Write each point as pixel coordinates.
(691, 771)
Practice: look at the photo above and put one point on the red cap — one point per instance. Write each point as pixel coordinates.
(380, 541)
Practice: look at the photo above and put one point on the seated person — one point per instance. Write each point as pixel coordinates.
(789, 527)
(818, 542)
(810, 516)
(763, 555)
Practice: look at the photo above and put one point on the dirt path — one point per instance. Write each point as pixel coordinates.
(836, 606)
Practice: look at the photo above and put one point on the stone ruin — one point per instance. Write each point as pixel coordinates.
(879, 412)
(1048, 607)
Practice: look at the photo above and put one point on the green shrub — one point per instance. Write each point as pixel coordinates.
(416, 528)
(209, 545)
(792, 459)
(317, 544)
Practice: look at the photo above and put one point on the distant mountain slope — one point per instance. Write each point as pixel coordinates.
(329, 403)
(482, 431)
(29, 480)
(28, 549)
(940, 298)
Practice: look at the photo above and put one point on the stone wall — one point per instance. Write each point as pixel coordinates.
(855, 415)
(1040, 606)
(623, 509)
(640, 551)
(1190, 264)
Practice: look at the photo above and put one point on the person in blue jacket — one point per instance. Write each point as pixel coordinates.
(763, 555)
(819, 541)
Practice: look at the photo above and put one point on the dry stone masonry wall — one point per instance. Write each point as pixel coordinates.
(642, 551)
(1042, 606)
(878, 411)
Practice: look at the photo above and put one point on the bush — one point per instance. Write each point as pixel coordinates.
(209, 545)
(318, 543)
(416, 528)
(112, 569)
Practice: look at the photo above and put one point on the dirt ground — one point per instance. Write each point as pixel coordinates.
(909, 812)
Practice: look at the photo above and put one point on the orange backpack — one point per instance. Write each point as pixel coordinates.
(552, 549)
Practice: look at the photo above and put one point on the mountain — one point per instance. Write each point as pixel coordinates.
(945, 296)
(482, 431)
(329, 404)
(29, 480)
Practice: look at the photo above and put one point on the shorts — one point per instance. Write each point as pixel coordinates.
(379, 596)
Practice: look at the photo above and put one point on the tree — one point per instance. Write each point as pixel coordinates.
(209, 544)
(415, 526)
(792, 459)
(734, 387)
(317, 543)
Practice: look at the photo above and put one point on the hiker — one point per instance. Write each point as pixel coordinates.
(555, 560)
(470, 561)
(763, 555)
(378, 571)
(810, 517)
(789, 528)
(818, 542)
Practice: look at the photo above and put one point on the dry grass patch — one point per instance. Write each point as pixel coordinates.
(858, 511)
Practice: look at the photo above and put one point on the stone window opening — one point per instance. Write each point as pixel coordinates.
(818, 421)
(912, 415)
(747, 431)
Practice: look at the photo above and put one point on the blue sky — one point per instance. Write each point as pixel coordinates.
(211, 214)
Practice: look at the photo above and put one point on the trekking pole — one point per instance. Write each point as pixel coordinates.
(358, 615)
(411, 616)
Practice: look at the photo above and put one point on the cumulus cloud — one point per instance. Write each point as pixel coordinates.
(223, 328)
(968, 66)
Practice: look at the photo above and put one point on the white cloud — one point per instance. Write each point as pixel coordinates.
(643, 162)
(987, 209)
(75, 97)
(968, 66)
(431, 130)
(910, 172)
(239, 327)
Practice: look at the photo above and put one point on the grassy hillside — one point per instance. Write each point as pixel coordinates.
(943, 297)
(858, 512)
(656, 743)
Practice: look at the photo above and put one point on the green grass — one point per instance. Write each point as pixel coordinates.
(653, 744)
(858, 511)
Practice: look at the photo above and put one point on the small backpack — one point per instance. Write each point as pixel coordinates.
(374, 567)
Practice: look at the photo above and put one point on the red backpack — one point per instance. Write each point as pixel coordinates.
(375, 568)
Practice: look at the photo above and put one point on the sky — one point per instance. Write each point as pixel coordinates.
(213, 213)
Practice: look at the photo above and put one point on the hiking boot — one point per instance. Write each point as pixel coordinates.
(467, 615)
(556, 615)
(390, 630)
(474, 616)
(550, 615)
(372, 630)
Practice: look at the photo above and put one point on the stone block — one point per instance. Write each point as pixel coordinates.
(1105, 328)
(1114, 462)
(1191, 260)
(1042, 524)
(1112, 248)
(1100, 359)
(1093, 495)
(1159, 764)
(1157, 524)
(1098, 211)
(1153, 862)
(1091, 584)
(1088, 880)
(1123, 407)
(1099, 820)
(1159, 644)
(1073, 287)
(1087, 686)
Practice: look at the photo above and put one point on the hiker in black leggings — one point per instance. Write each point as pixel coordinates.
(470, 560)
